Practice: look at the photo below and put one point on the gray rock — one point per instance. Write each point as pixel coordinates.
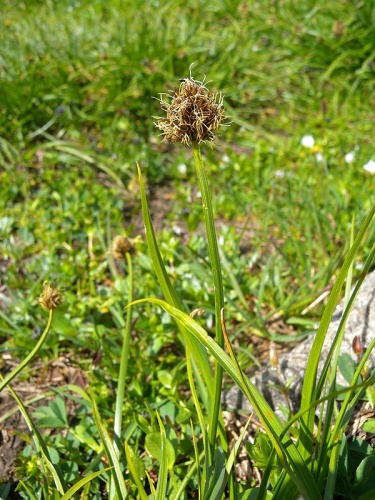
(361, 322)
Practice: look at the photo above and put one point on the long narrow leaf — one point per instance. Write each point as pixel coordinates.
(112, 456)
(309, 386)
(40, 445)
(82, 483)
(30, 356)
(236, 447)
(326, 448)
(141, 491)
(169, 293)
(163, 470)
(286, 450)
(202, 424)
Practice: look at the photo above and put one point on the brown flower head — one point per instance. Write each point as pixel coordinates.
(121, 246)
(50, 298)
(193, 115)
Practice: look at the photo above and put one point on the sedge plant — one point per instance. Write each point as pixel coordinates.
(49, 299)
(193, 117)
(58, 489)
(308, 467)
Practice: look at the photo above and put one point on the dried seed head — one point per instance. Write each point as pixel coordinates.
(121, 246)
(50, 298)
(193, 115)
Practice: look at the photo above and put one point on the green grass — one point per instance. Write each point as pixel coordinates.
(76, 114)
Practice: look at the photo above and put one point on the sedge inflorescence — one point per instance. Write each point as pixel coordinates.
(50, 297)
(194, 113)
(121, 246)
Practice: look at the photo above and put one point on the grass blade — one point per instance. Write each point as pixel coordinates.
(82, 483)
(163, 471)
(30, 356)
(169, 293)
(286, 450)
(41, 448)
(111, 453)
(141, 491)
(309, 385)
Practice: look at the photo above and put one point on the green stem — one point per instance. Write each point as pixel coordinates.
(41, 449)
(28, 358)
(124, 356)
(213, 251)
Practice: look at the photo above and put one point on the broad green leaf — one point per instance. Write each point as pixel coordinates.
(347, 366)
(166, 378)
(365, 477)
(153, 443)
(369, 426)
(4, 491)
(53, 416)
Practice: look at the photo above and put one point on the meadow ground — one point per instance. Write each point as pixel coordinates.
(290, 176)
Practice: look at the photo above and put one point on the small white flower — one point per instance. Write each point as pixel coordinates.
(308, 141)
(225, 159)
(279, 174)
(177, 230)
(370, 167)
(182, 168)
(319, 157)
(349, 157)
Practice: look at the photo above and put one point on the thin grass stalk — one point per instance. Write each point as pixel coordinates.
(190, 472)
(330, 482)
(161, 488)
(349, 402)
(124, 356)
(30, 356)
(213, 251)
(41, 449)
(344, 318)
